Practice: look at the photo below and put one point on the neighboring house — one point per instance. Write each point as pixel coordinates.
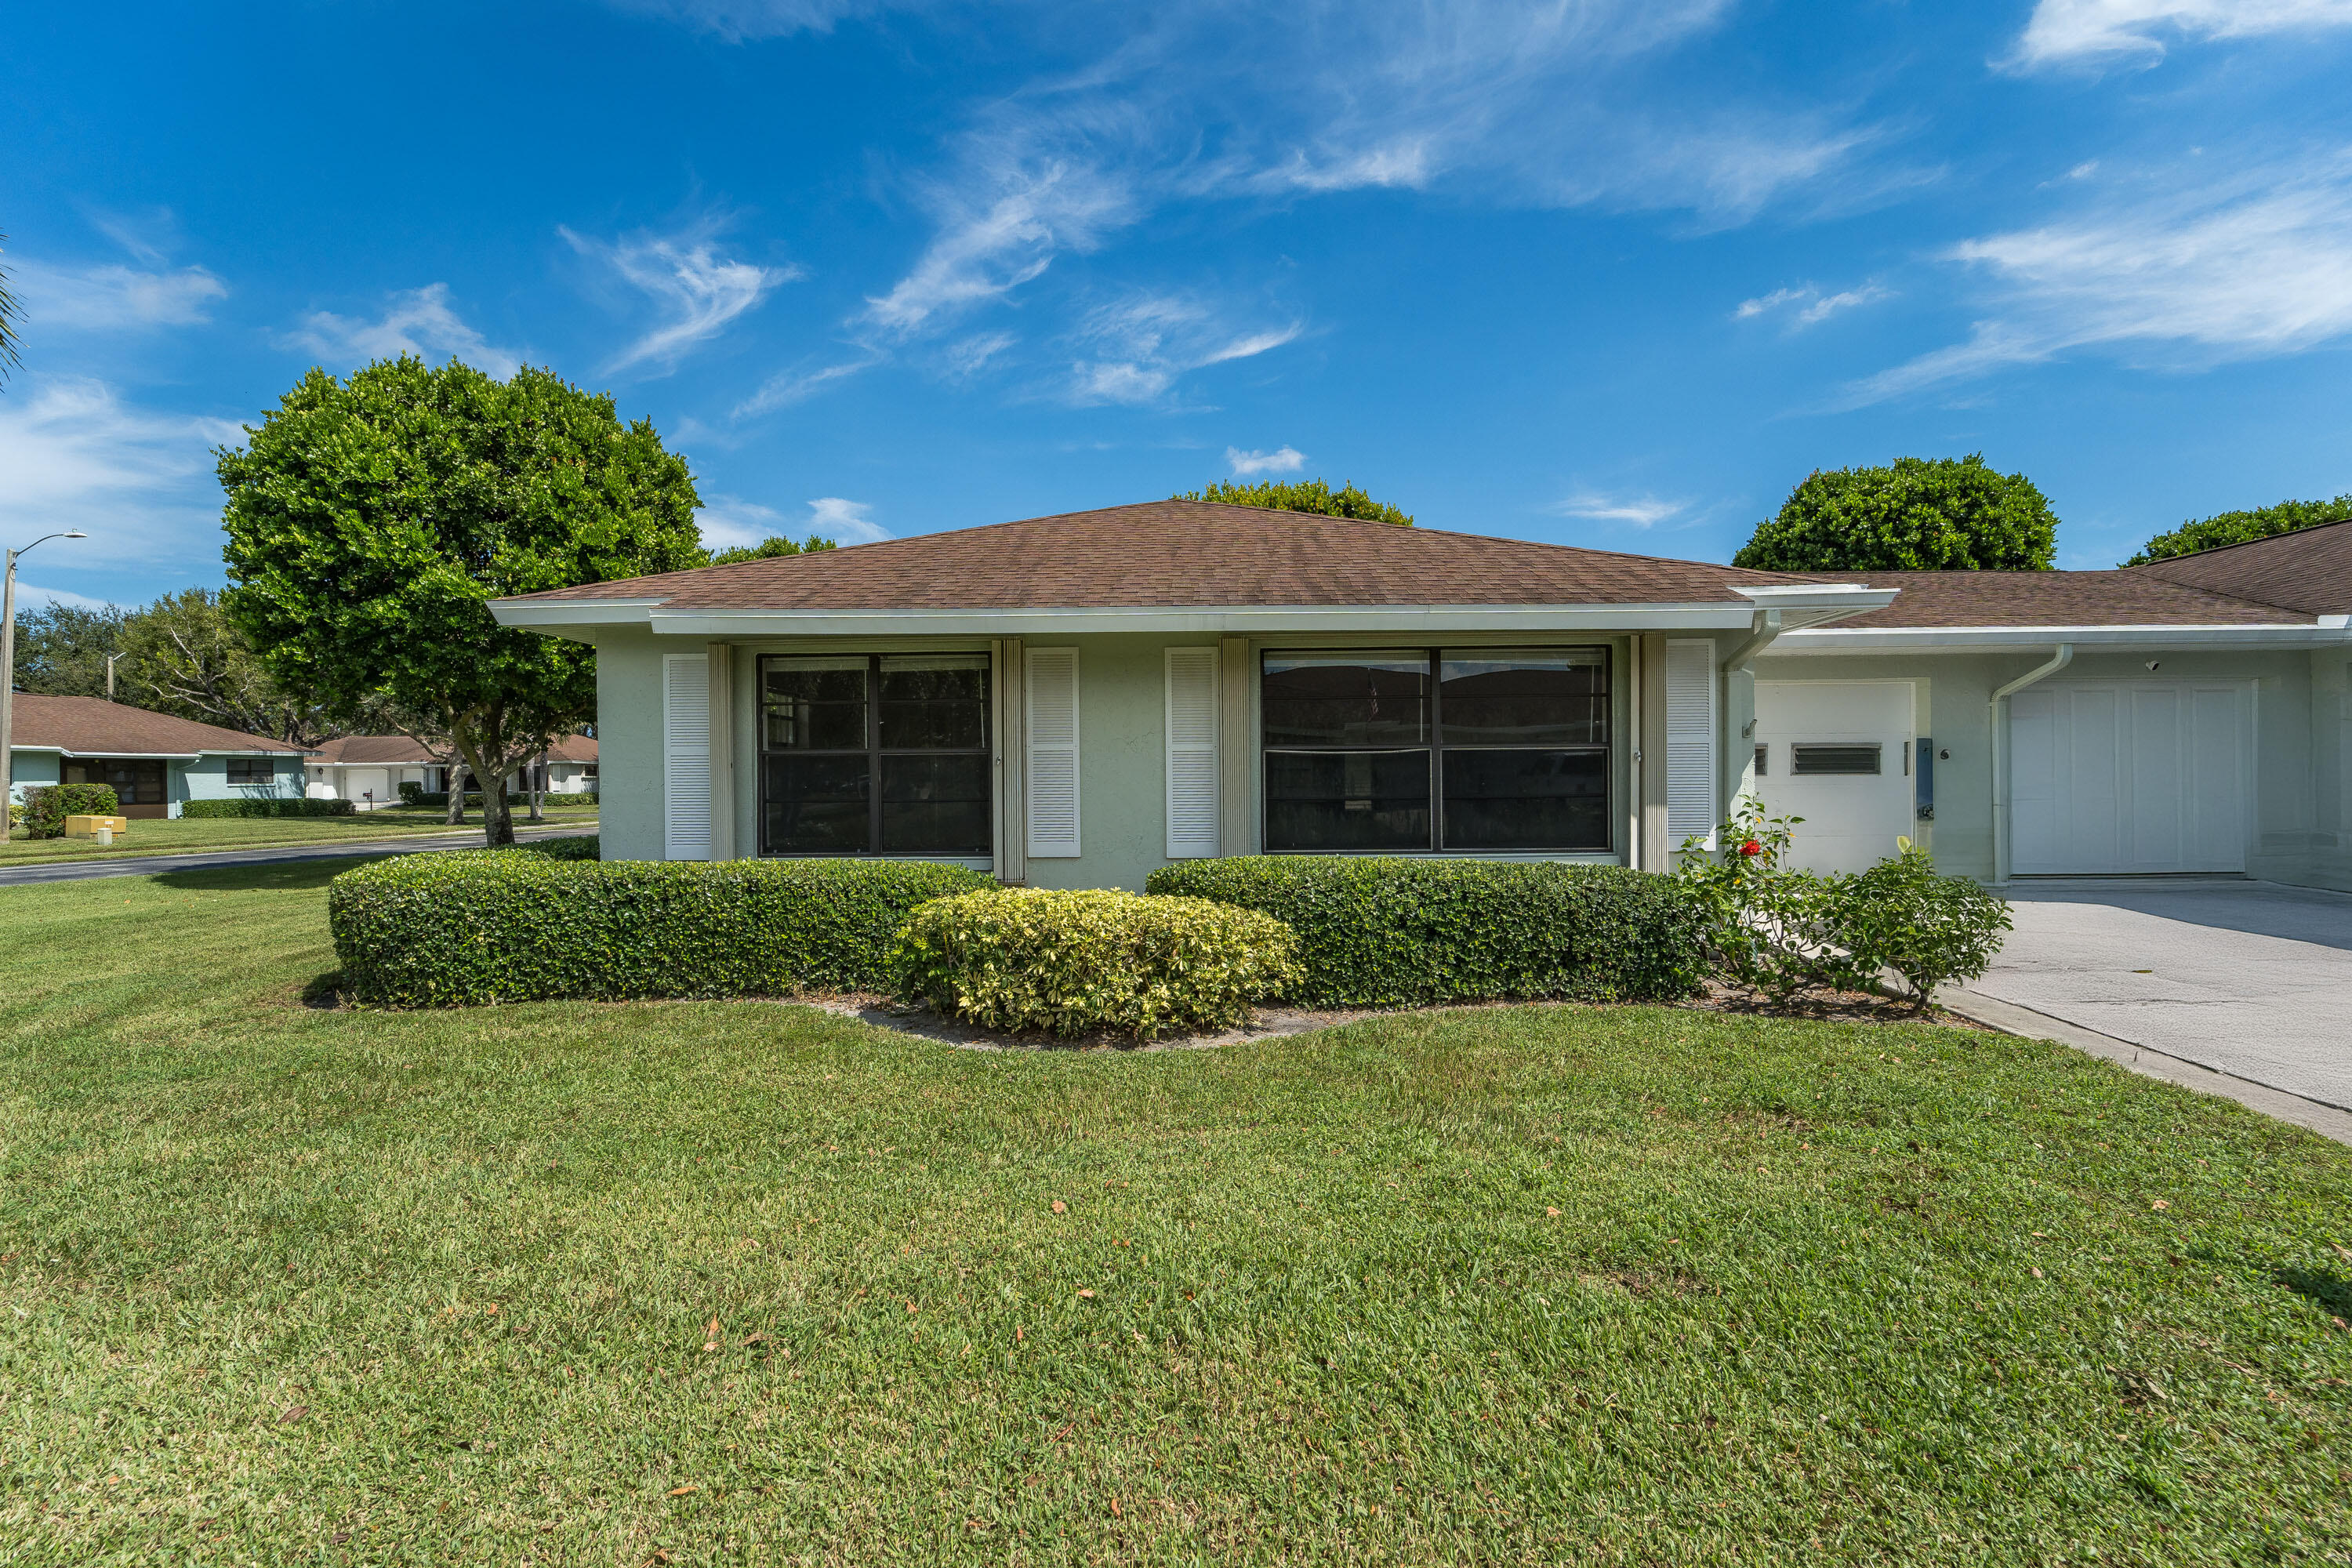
(153, 761)
(2187, 716)
(1074, 701)
(368, 770)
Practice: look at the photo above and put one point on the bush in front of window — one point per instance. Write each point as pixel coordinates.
(48, 806)
(1069, 963)
(544, 921)
(291, 807)
(1387, 932)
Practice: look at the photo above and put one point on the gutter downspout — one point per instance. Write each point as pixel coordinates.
(1766, 627)
(2061, 656)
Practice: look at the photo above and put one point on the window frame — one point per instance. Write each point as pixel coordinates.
(266, 765)
(873, 752)
(1435, 746)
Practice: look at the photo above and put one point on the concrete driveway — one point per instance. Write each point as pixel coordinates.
(2248, 978)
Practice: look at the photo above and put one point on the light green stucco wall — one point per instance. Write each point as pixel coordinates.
(2300, 740)
(629, 742)
(207, 778)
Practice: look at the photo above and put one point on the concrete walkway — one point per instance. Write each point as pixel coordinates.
(215, 859)
(2249, 979)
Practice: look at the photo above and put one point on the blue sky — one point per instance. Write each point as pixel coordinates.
(1606, 272)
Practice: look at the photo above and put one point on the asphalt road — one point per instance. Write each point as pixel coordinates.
(210, 859)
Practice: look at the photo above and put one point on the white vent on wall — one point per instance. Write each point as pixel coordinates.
(1191, 753)
(1050, 703)
(686, 756)
(1690, 742)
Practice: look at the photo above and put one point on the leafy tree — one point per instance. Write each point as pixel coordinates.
(183, 655)
(62, 648)
(1302, 495)
(2238, 527)
(769, 548)
(370, 521)
(1930, 514)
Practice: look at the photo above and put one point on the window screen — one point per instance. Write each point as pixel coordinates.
(1468, 750)
(875, 754)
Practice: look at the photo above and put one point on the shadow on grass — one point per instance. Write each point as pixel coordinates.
(2331, 1294)
(324, 992)
(277, 876)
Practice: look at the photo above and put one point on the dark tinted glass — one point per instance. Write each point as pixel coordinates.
(817, 805)
(934, 703)
(935, 804)
(815, 704)
(1347, 800)
(1346, 700)
(1526, 800)
(1555, 697)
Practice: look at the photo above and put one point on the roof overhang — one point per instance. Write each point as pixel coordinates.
(1814, 603)
(2330, 631)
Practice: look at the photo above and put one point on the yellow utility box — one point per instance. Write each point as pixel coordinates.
(88, 827)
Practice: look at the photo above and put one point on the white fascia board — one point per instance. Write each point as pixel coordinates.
(536, 615)
(1994, 639)
(125, 756)
(1815, 604)
(1272, 619)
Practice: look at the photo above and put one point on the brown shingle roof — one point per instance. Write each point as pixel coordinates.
(376, 750)
(1185, 553)
(2118, 598)
(2308, 570)
(91, 726)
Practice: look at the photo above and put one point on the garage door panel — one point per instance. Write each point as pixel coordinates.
(2124, 777)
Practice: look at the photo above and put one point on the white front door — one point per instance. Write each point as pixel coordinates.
(2129, 777)
(1837, 754)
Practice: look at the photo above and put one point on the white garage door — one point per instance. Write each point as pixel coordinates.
(1837, 754)
(2110, 778)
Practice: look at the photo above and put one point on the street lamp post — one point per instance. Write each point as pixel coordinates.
(8, 679)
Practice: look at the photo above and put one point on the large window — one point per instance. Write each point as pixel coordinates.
(137, 781)
(252, 769)
(875, 754)
(1412, 749)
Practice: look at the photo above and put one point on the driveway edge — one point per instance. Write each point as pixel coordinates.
(2010, 1018)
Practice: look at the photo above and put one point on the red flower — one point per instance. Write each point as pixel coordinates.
(1751, 847)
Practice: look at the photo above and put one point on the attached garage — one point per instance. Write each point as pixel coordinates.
(2124, 778)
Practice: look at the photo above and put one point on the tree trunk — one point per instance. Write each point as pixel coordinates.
(498, 823)
(454, 777)
(535, 782)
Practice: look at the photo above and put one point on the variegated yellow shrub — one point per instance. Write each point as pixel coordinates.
(1067, 963)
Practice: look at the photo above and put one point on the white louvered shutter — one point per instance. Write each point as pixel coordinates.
(686, 756)
(1050, 703)
(1690, 742)
(1191, 753)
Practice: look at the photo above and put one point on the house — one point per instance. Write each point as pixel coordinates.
(1075, 700)
(368, 770)
(155, 761)
(2189, 716)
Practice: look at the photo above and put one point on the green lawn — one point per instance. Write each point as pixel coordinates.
(178, 835)
(749, 1283)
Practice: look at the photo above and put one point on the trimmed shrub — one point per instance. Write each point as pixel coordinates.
(1028, 958)
(265, 807)
(541, 921)
(1381, 931)
(413, 794)
(1928, 929)
(46, 807)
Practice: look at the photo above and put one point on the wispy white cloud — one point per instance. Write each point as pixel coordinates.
(2257, 265)
(2100, 32)
(1808, 306)
(1248, 465)
(728, 521)
(1641, 510)
(797, 385)
(737, 20)
(967, 357)
(113, 297)
(419, 322)
(29, 595)
(1004, 234)
(695, 289)
(139, 482)
(1142, 344)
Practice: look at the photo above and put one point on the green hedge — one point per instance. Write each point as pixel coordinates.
(46, 807)
(1379, 931)
(532, 924)
(265, 807)
(1068, 962)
